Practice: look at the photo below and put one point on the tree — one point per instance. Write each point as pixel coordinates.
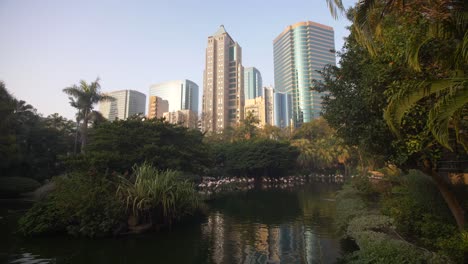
(83, 98)
(427, 97)
(441, 41)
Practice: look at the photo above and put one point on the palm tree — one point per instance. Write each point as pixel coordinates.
(83, 98)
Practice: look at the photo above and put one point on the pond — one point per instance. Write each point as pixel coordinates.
(258, 226)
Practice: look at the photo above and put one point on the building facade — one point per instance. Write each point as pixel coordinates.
(126, 104)
(299, 52)
(180, 94)
(252, 83)
(268, 95)
(257, 107)
(157, 106)
(223, 86)
(282, 110)
(186, 118)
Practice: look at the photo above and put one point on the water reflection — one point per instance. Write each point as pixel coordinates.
(259, 226)
(273, 227)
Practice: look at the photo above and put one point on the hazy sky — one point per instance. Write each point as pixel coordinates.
(47, 45)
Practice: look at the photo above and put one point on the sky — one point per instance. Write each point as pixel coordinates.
(48, 45)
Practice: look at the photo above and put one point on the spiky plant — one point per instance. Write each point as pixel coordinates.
(150, 191)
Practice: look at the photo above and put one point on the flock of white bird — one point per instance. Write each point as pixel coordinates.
(210, 185)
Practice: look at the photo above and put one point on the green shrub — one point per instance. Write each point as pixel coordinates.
(421, 215)
(81, 205)
(152, 195)
(12, 186)
(349, 204)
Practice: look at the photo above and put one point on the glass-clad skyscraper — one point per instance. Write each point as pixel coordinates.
(252, 83)
(125, 104)
(299, 52)
(181, 94)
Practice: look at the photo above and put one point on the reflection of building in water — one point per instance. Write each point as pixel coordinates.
(231, 242)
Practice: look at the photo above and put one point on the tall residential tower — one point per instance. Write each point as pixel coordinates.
(299, 52)
(223, 86)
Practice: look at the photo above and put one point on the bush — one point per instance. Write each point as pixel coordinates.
(81, 205)
(13, 186)
(374, 233)
(421, 214)
(349, 205)
(153, 195)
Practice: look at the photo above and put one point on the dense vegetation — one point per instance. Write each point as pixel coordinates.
(406, 221)
(94, 204)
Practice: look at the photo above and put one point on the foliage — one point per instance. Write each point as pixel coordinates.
(254, 158)
(319, 147)
(421, 214)
(81, 205)
(11, 186)
(117, 146)
(350, 204)
(30, 144)
(159, 195)
(83, 98)
(375, 234)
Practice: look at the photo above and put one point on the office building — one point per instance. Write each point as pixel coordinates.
(252, 83)
(299, 52)
(180, 94)
(223, 86)
(186, 118)
(125, 104)
(282, 110)
(157, 106)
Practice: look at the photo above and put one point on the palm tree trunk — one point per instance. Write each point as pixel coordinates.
(84, 132)
(449, 197)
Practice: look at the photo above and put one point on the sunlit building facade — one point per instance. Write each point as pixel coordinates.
(157, 106)
(300, 51)
(223, 85)
(186, 118)
(125, 104)
(180, 94)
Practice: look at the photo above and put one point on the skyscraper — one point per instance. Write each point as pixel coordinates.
(126, 104)
(299, 51)
(252, 83)
(223, 86)
(282, 109)
(181, 94)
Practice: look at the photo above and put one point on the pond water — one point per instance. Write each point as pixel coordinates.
(258, 226)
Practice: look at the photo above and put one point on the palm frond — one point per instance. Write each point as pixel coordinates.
(405, 99)
(443, 112)
(336, 7)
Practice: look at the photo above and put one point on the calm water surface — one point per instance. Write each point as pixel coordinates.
(259, 226)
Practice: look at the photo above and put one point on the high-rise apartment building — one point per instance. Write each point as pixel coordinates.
(126, 104)
(252, 83)
(157, 106)
(299, 51)
(223, 86)
(181, 94)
